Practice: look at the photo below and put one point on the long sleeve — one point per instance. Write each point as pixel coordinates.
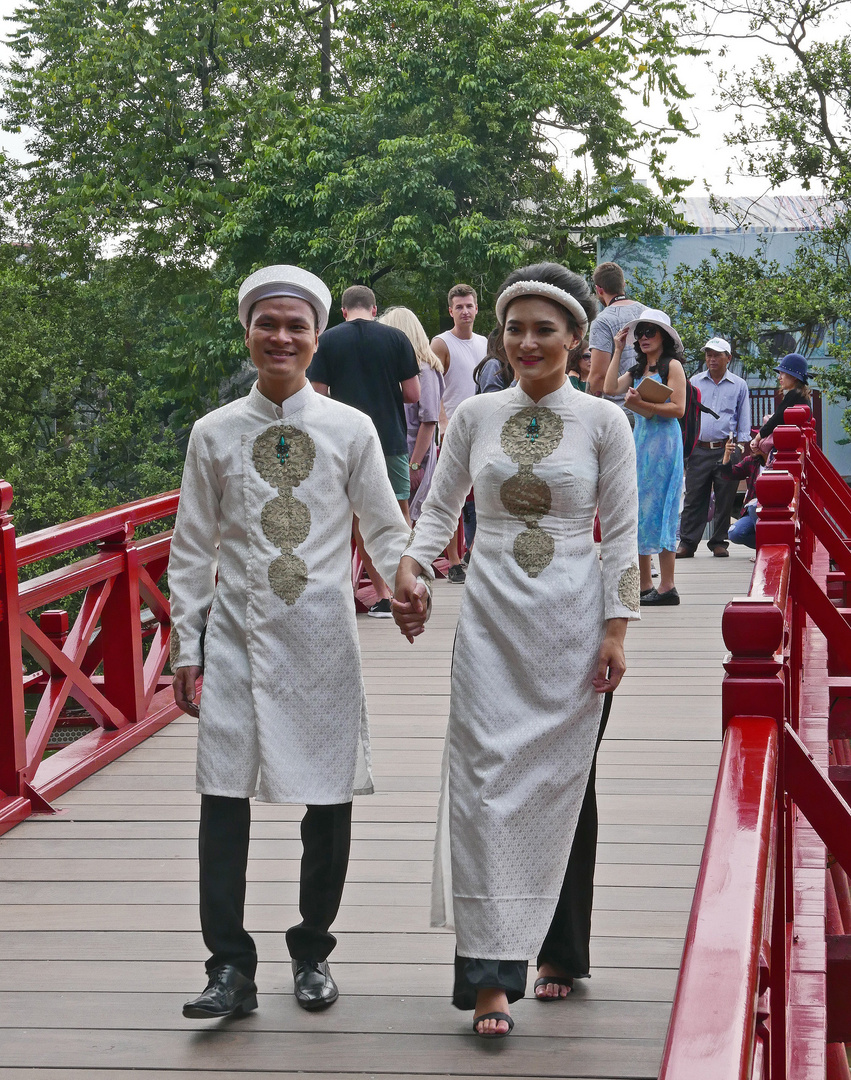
(743, 415)
(194, 554)
(617, 506)
(383, 527)
(793, 397)
(450, 485)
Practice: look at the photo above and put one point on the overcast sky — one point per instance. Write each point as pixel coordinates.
(704, 159)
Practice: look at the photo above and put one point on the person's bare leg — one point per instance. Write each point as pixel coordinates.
(552, 990)
(491, 1000)
(404, 506)
(378, 583)
(645, 573)
(667, 564)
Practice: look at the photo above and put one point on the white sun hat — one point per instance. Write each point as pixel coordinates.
(657, 318)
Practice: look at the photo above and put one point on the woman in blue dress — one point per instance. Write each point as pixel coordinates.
(658, 444)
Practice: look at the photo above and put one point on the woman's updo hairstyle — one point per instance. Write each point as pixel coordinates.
(560, 277)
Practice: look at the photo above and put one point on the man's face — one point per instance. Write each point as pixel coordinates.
(281, 339)
(716, 362)
(463, 310)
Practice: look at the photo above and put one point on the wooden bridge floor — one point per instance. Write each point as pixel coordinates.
(99, 939)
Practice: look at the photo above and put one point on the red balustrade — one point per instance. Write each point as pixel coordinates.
(764, 990)
(110, 661)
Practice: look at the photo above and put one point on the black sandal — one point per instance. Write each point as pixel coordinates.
(493, 1034)
(556, 980)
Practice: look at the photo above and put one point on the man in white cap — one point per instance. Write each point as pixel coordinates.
(261, 602)
(727, 395)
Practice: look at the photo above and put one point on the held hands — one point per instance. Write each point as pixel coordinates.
(729, 450)
(183, 686)
(620, 341)
(410, 602)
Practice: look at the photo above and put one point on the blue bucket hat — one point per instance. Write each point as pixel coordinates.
(795, 365)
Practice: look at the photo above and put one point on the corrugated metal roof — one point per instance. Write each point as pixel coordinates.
(770, 213)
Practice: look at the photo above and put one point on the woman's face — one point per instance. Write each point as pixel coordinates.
(786, 382)
(650, 339)
(536, 340)
(585, 365)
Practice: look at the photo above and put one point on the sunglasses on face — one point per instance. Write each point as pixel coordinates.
(646, 331)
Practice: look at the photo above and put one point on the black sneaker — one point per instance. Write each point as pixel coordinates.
(381, 610)
(457, 575)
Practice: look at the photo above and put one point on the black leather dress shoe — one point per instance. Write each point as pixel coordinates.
(227, 993)
(314, 986)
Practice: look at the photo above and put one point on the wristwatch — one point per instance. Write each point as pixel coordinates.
(414, 465)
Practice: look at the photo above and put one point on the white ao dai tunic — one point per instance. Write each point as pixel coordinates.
(283, 708)
(524, 716)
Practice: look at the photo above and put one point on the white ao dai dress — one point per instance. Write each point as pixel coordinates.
(524, 716)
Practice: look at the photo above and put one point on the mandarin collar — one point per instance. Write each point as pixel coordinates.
(289, 407)
(557, 397)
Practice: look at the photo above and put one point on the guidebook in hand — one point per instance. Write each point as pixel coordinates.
(655, 392)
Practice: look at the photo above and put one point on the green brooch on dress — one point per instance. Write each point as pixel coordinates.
(284, 456)
(528, 437)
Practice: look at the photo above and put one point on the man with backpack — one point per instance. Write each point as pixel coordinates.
(726, 416)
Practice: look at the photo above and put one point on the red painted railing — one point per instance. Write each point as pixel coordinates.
(764, 989)
(110, 661)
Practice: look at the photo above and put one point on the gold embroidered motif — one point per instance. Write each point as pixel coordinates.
(288, 577)
(284, 456)
(526, 496)
(285, 521)
(173, 648)
(284, 470)
(531, 435)
(628, 589)
(534, 549)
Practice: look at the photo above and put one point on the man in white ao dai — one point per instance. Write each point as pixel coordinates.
(261, 595)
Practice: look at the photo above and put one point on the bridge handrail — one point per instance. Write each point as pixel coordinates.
(111, 660)
(117, 521)
(714, 1023)
(729, 1019)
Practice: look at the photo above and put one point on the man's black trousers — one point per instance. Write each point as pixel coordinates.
(223, 855)
(703, 473)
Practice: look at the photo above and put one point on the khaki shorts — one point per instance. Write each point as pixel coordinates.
(400, 477)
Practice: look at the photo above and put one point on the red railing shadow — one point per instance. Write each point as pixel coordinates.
(110, 661)
(764, 989)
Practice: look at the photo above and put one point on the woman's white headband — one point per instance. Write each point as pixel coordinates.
(541, 288)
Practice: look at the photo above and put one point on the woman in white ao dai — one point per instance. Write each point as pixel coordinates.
(539, 641)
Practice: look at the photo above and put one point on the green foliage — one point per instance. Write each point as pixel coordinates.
(404, 143)
(145, 112)
(752, 301)
(84, 423)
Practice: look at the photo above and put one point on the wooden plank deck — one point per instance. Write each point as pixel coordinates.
(99, 939)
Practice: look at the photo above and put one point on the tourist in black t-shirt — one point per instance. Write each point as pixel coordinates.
(373, 368)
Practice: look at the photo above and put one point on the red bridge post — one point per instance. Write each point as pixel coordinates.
(123, 676)
(13, 747)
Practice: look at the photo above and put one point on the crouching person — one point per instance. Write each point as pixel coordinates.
(261, 595)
